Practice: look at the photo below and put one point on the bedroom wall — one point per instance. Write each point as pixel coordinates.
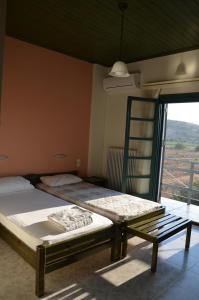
(45, 110)
(2, 35)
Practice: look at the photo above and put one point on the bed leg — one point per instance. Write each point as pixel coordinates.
(116, 245)
(40, 271)
(124, 244)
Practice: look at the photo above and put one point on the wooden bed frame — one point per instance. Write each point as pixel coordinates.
(48, 258)
(121, 227)
(51, 257)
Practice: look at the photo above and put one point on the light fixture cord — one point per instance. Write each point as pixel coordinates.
(121, 33)
(122, 6)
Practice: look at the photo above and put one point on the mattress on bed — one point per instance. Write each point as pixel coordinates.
(117, 206)
(26, 215)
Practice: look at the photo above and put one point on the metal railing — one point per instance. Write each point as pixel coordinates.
(188, 193)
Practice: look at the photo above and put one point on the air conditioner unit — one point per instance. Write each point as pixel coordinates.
(111, 84)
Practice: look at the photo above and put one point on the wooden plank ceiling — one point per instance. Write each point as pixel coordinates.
(90, 29)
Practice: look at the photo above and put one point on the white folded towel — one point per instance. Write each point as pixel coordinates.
(71, 218)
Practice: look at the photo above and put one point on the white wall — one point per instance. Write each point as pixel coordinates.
(109, 110)
(164, 68)
(97, 123)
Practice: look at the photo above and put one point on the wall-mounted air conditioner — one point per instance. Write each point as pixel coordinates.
(113, 84)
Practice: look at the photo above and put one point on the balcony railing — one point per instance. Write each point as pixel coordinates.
(186, 191)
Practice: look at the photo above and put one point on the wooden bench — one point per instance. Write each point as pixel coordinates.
(158, 229)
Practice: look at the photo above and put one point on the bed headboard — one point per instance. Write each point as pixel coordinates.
(35, 178)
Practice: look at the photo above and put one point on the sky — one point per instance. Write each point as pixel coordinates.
(187, 112)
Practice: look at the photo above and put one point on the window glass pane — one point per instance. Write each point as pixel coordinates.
(143, 109)
(142, 186)
(140, 148)
(141, 129)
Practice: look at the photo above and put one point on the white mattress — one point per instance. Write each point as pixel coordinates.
(25, 214)
(117, 206)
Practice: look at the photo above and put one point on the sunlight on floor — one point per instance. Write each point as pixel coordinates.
(181, 209)
(129, 269)
(67, 292)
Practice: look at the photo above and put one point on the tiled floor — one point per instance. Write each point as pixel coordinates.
(182, 209)
(177, 277)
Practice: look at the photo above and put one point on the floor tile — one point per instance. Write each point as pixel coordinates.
(94, 278)
(184, 288)
(195, 269)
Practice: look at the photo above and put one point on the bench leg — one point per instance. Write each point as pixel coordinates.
(188, 237)
(154, 257)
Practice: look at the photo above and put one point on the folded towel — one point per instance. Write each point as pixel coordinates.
(71, 218)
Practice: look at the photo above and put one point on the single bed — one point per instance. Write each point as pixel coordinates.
(123, 209)
(24, 225)
(114, 205)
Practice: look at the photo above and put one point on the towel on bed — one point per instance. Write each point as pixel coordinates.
(71, 218)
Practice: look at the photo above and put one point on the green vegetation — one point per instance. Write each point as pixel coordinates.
(182, 144)
(179, 146)
(187, 146)
(182, 132)
(183, 195)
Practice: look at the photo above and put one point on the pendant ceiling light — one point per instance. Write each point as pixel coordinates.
(119, 68)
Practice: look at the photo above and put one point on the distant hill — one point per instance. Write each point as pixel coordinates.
(184, 132)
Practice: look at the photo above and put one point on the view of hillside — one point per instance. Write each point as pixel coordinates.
(178, 131)
(181, 152)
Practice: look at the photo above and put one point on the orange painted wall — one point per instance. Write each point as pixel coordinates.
(45, 110)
